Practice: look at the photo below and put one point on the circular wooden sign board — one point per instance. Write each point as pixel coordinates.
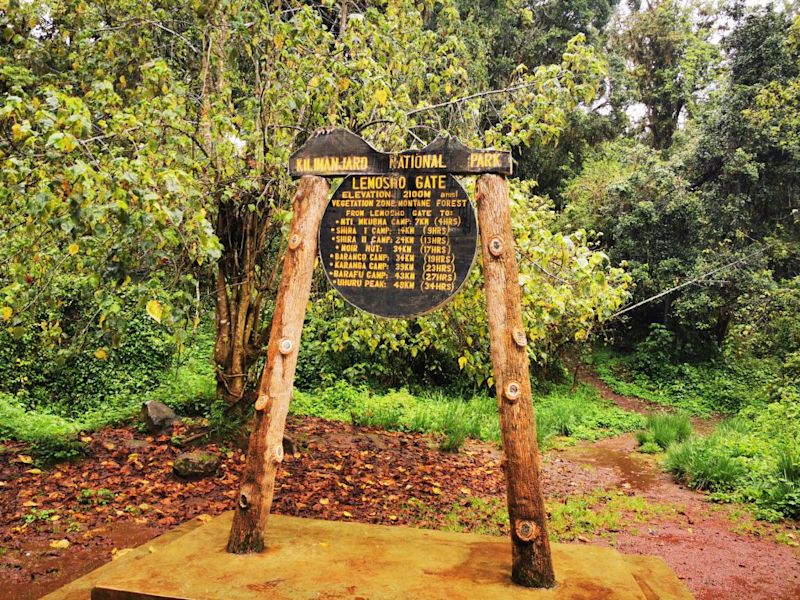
(398, 244)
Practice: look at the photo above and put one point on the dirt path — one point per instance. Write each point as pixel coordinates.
(720, 552)
(348, 473)
(585, 374)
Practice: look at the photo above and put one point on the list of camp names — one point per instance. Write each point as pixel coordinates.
(398, 244)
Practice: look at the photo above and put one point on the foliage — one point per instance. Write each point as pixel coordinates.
(143, 142)
(777, 102)
(578, 415)
(698, 389)
(567, 287)
(68, 382)
(754, 458)
(663, 430)
(187, 386)
(669, 60)
(53, 450)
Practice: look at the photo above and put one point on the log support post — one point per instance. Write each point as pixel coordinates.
(532, 565)
(265, 451)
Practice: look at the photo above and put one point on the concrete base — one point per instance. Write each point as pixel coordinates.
(325, 559)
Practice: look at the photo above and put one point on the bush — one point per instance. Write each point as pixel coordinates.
(44, 376)
(188, 386)
(697, 389)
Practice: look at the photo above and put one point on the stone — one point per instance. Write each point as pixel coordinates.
(157, 416)
(196, 464)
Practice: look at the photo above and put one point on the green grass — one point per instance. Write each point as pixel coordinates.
(579, 415)
(695, 389)
(188, 387)
(663, 430)
(600, 512)
(752, 458)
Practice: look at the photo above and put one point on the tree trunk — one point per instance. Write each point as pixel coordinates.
(532, 565)
(265, 451)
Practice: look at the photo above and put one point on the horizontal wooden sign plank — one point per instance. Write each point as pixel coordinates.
(339, 152)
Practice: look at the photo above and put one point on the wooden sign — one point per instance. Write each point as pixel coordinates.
(398, 245)
(339, 152)
(397, 239)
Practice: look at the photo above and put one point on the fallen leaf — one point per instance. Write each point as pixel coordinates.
(204, 518)
(60, 544)
(24, 459)
(324, 501)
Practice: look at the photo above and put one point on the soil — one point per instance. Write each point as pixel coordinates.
(350, 473)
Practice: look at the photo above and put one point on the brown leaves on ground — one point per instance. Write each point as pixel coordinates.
(125, 493)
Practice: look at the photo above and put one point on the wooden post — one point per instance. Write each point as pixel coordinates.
(265, 451)
(532, 564)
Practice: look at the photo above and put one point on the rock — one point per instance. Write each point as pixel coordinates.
(196, 464)
(157, 416)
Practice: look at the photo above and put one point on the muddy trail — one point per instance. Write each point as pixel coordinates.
(585, 374)
(53, 530)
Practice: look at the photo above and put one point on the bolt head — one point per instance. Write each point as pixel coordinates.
(513, 391)
(525, 530)
(285, 346)
(496, 246)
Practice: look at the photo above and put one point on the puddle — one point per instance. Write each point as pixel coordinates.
(631, 470)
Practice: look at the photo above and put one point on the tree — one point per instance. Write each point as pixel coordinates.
(668, 60)
(179, 119)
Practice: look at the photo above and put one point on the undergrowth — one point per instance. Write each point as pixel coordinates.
(187, 386)
(581, 414)
(753, 457)
(696, 389)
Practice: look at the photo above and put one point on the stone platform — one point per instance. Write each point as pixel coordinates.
(334, 560)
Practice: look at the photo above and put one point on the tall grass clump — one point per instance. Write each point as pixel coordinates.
(703, 465)
(753, 458)
(662, 430)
